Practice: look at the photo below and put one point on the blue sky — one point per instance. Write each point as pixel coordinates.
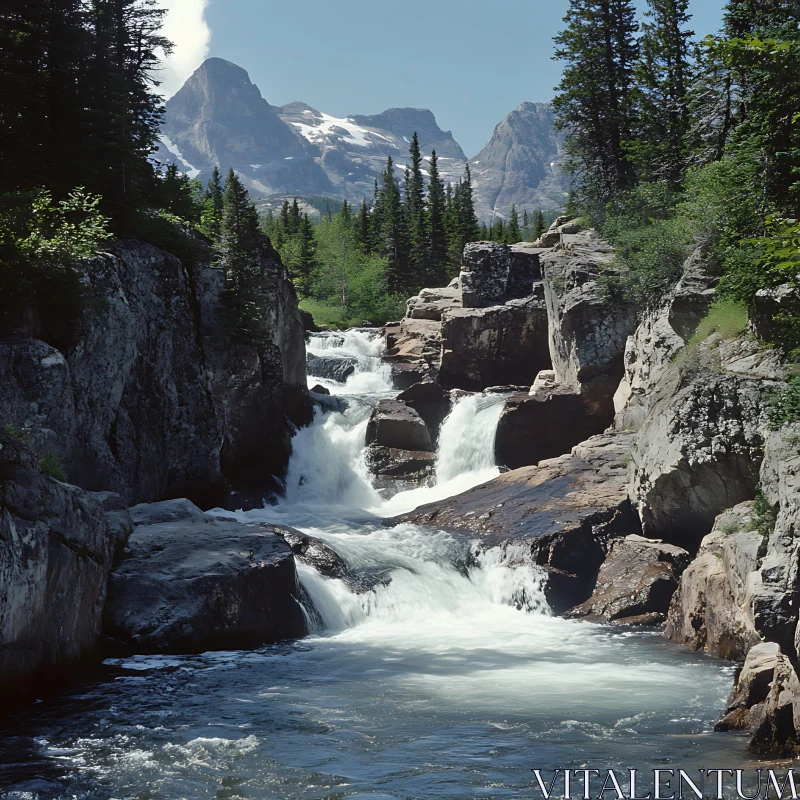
(470, 62)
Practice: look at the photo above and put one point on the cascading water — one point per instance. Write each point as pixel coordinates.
(441, 675)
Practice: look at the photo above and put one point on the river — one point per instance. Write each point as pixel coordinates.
(449, 679)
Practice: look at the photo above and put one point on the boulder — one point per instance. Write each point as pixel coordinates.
(413, 349)
(543, 423)
(333, 368)
(771, 308)
(552, 236)
(711, 610)
(635, 582)
(399, 470)
(190, 582)
(493, 274)
(485, 267)
(319, 389)
(489, 346)
(562, 513)
(766, 701)
(431, 402)
(432, 303)
(752, 686)
(394, 424)
(56, 551)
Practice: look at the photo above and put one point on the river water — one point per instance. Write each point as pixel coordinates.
(449, 679)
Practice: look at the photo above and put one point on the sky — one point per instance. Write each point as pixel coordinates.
(470, 62)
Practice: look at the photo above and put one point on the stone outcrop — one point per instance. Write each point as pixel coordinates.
(395, 424)
(431, 402)
(701, 444)
(150, 397)
(635, 582)
(587, 332)
(191, 582)
(564, 511)
(505, 344)
(712, 610)
(487, 328)
(56, 551)
(541, 423)
(400, 452)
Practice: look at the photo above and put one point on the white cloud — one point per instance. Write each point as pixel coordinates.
(186, 27)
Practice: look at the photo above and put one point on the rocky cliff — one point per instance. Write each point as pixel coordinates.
(149, 396)
(520, 165)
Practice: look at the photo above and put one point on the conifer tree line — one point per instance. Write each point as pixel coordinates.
(417, 225)
(675, 140)
(76, 100)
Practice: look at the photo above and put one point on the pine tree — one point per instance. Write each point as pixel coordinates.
(513, 234)
(415, 212)
(663, 75)
(294, 218)
(307, 255)
(363, 229)
(211, 215)
(595, 100)
(238, 250)
(436, 228)
(390, 231)
(539, 225)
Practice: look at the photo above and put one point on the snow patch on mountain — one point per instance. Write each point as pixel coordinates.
(326, 127)
(175, 150)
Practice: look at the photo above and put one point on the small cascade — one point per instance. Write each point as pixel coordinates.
(422, 573)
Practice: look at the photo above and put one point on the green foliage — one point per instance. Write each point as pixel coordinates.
(726, 319)
(595, 103)
(765, 514)
(50, 465)
(41, 241)
(16, 432)
(783, 405)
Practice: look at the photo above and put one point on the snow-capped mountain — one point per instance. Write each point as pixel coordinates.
(220, 118)
(353, 150)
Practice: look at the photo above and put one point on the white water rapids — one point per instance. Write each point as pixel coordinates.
(448, 678)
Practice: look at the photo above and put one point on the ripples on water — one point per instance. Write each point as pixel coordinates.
(452, 681)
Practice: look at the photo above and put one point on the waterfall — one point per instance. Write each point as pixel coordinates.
(422, 573)
(466, 440)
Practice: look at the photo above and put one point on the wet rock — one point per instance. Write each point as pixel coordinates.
(394, 424)
(711, 610)
(191, 582)
(398, 470)
(413, 348)
(316, 554)
(542, 423)
(333, 368)
(562, 511)
(319, 389)
(488, 346)
(56, 550)
(635, 582)
(752, 686)
(431, 402)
